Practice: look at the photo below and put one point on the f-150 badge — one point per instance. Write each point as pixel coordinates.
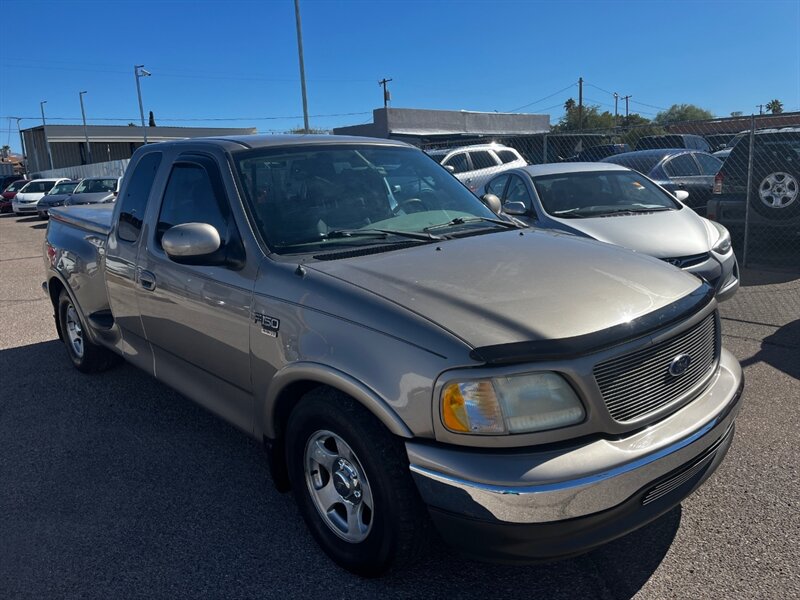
(269, 325)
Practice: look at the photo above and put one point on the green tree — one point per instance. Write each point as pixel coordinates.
(682, 112)
(592, 118)
(314, 130)
(775, 106)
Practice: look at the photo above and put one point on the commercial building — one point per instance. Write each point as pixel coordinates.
(106, 142)
(422, 127)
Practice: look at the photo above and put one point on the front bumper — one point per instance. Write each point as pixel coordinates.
(25, 207)
(722, 272)
(535, 504)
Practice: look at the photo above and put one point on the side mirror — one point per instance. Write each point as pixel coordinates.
(515, 208)
(188, 242)
(450, 168)
(493, 203)
(681, 195)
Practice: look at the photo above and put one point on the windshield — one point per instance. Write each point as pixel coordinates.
(37, 187)
(94, 186)
(303, 198)
(16, 186)
(65, 187)
(600, 193)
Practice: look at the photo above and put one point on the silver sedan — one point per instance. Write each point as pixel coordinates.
(617, 205)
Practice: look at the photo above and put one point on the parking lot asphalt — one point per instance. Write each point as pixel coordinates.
(114, 486)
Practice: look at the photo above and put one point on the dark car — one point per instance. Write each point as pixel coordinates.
(775, 180)
(595, 153)
(94, 190)
(10, 187)
(673, 140)
(676, 169)
(55, 197)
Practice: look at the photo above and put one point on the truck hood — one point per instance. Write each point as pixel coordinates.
(511, 287)
(661, 234)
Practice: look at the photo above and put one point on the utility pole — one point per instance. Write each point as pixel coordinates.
(22, 144)
(139, 71)
(44, 128)
(386, 94)
(626, 98)
(580, 103)
(85, 131)
(302, 64)
(616, 112)
(760, 109)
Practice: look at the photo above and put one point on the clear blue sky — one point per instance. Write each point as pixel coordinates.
(238, 60)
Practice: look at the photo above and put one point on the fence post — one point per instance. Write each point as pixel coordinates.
(749, 188)
(544, 149)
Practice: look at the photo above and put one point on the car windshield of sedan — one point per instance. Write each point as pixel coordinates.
(600, 193)
(94, 186)
(62, 188)
(315, 197)
(16, 186)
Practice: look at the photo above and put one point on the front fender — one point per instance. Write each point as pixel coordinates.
(321, 374)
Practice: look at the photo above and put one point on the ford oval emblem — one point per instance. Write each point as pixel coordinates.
(679, 365)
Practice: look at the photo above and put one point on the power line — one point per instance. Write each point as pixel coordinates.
(649, 105)
(571, 85)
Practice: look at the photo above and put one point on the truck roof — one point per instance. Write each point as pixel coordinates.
(270, 141)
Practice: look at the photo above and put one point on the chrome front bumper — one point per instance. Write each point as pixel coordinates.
(556, 484)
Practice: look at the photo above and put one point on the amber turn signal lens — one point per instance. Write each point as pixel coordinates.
(454, 410)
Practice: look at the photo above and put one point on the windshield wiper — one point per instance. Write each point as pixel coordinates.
(463, 220)
(378, 233)
(629, 210)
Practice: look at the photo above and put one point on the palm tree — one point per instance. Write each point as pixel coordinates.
(775, 106)
(569, 104)
(4, 151)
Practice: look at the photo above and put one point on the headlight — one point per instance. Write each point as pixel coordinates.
(723, 243)
(513, 404)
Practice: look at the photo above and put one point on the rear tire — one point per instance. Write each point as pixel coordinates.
(85, 355)
(351, 482)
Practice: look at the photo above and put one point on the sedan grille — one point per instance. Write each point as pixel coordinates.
(684, 262)
(637, 384)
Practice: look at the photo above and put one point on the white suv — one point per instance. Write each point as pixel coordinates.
(475, 165)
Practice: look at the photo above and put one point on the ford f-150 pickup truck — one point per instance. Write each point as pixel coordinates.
(412, 361)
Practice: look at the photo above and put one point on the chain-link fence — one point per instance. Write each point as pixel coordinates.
(742, 173)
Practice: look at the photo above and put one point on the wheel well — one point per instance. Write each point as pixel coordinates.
(276, 453)
(54, 289)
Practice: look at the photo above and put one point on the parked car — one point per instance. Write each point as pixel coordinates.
(673, 140)
(94, 190)
(9, 191)
(407, 358)
(7, 180)
(595, 153)
(55, 197)
(474, 165)
(29, 195)
(617, 205)
(775, 181)
(719, 141)
(675, 170)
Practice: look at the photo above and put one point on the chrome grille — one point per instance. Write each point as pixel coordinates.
(636, 384)
(684, 262)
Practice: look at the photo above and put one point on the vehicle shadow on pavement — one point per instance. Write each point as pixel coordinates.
(116, 486)
(780, 350)
(39, 226)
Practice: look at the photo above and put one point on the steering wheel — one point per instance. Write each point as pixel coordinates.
(408, 203)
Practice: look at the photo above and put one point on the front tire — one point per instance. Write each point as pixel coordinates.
(85, 355)
(352, 484)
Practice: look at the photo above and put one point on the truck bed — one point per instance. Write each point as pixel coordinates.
(91, 217)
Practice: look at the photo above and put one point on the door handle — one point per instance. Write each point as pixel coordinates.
(147, 280)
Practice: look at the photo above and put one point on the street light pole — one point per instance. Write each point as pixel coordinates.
(139, 71)
(302, 64)
(85, 130)
(44, 128)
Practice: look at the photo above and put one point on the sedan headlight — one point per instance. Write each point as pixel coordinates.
(512, 404)
(723, 243)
